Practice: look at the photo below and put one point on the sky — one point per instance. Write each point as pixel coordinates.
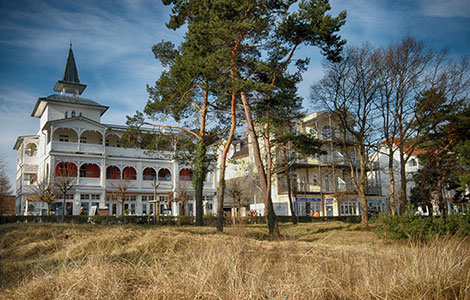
(112, 43)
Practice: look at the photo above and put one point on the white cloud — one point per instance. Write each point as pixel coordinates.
(445, 8)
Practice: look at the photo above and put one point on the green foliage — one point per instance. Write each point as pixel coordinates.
(421, 228)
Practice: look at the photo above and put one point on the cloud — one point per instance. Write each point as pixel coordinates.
(445, 8)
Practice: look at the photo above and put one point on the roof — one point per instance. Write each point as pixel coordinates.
(70, 82)
(408, 150)
(82, 118)
(20, 139)
(56, 98)
(70, 72)
(243, 148)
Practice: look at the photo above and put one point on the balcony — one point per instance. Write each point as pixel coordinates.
(304, 187)
(373, 190)
(64, 146)
(91, 148)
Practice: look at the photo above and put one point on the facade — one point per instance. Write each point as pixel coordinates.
(71, 141)
(381, 158)
(321, 183)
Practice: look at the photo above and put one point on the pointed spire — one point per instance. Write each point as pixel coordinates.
(70, 72)
(70, 82)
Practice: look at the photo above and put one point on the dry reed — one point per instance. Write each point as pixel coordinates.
(313, 261)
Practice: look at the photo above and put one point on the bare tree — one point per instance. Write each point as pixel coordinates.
(5, 186)
(349, 90)
(45, 191)
(120, 192)
(236, 191)
(183, 195)
(407, 70)
(64, 183)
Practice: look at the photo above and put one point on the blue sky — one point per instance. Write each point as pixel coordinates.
(112, 43)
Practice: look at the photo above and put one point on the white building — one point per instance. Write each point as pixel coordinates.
(381, 157)
(72, 139)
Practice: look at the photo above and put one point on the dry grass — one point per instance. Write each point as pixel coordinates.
(312, 261)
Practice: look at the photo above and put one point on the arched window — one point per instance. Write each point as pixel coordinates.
(129, 173)
(113, 172)
(31, 149)
(91, 137)
(164, 175)
(67, 169)
(73, 114)
(186, 174)
(412, 163)
(90, 171)
(149, 174)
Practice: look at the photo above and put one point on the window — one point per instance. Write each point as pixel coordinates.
(164, 175)
(63, 138)
(129, 173)
(149, 174)
(315, 179)
(67, 196)
(80, 114)
(31, 149)
(144, 208)
(66, 114)
(412, 163)
(132, 198)
(30, 178)
(186, 174)
(84, 196)
(90, 170)
(237, 147)
(83, 139)
(73, 114)
(348, 209)
(113, 172)
(147, 198)
(327, 182)
(326, 132)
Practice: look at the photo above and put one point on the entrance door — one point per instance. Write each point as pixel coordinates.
(329, 210)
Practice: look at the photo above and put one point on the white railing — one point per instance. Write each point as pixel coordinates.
(91, 148)
(89, 181)
(64, 146)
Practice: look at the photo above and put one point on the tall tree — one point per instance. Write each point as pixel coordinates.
(244, 30)
(349, 90)
(444, 160)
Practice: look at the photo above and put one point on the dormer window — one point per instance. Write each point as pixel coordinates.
(66, 114)
(73, 114)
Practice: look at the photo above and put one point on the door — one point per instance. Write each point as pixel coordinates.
(329, 210)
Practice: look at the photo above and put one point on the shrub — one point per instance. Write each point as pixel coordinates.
(422, 228)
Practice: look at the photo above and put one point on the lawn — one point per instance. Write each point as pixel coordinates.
(331, 260)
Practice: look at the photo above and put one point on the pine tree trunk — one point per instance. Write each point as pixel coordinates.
(221, 189)
(269, 211)
(198, 179)
(289, 188)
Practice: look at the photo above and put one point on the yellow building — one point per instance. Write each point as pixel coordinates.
(320, 183)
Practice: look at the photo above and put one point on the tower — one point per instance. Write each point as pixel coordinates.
(70, 82)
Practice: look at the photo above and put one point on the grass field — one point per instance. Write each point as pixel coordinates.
(311, 261)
